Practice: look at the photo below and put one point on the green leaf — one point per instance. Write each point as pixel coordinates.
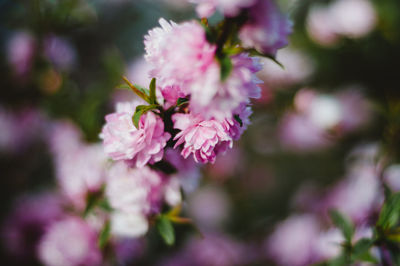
(343, 224)
(181, 101)
(104, 235)
(123, 87)
(254, 52)
(339, 261)
(238, 119)
(390, 212)
(226, 67)
(166, 230)
(140, 110)
(144, 90)
(105, 205)
(153, 99)
(360, 249)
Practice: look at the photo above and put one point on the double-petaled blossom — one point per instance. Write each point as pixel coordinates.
(192, 70)
(202, 138)
(70, 242)
(267, 29)
(178, 54)
(134, 194)
(123, 141)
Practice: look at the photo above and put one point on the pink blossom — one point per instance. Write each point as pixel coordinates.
(267, 29)
(80, 167)
(134, 190)
(216, 99)
(205, 8)
(20, 52)
(70, 242)
(185, 48)
(296, 235)
(193, 71)
(202, 138)
(123, 141)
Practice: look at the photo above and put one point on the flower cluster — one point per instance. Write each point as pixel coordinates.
(197, 104)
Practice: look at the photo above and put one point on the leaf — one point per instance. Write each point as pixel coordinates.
(181, 101)
(166, 230)
(360, 249)
(105, 205)
(343, 224)
(140, 110)
(136, 90)
(123, 87)
(153, 99)
(390, 212)
(104, 235)
(239, 120)
(254, 52)
(144, 90)
(226, 67)
(339, 261)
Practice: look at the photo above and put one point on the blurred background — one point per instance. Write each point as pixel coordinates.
(317, 133)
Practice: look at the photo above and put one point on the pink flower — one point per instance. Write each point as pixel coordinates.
(267, 29)
(230, 8)
(202, 138)
(134, 190)
(59, 52)
(123, 141)
(185, 48)
(80, 167)
(70, 242)
(20, 52)
(213, 98)
(193, 71)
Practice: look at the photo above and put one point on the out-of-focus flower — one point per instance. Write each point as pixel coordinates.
(227, 165)
(296, 235)
(59, 52)
(25, 226)
(296, 132)
(128, 250)
(267, 29)
(80, 167)
(213, 250)
(358, 195)
(70, 242)
(123, 141)
(205, 8)
(349, 18)
(134, 194)
(14, 125)
(298, 67)
(319, 115)
(209, 206)
(20, 52)
(392, 177)
(202, 138)
(134, 190)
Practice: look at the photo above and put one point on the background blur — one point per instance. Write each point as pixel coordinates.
(315, 132)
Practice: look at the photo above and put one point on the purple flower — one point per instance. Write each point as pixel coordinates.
(25, 226)
(202, 138)
(267, 29)
(70, 242)
(59, 52)
(205, 8)
(123, 141)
